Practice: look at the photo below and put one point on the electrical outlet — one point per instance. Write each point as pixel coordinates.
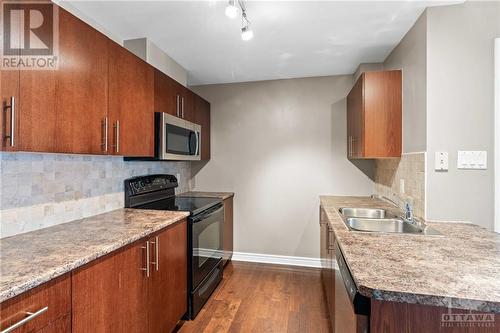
(402, 186)
(441, 161)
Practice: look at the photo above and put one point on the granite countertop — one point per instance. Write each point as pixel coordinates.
(221, 195)
(30, 259)
(460, 268)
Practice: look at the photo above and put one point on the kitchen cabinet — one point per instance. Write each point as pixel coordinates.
(396, 317)
(227, 243)
(110, 294)
(140, 288)
(202, 117)
(327, 255)
(48, 305)
(81, 88)
(168, 288)
(28, 125)
(172, 97)
(131, 103)
(374, 116)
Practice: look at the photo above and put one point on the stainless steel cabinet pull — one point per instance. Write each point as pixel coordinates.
(182, 107)
(104, 143)
(117, 136)
(177, 106)
(31, 316)
(12, 108)
(147, 259)
(350, 146)
(116, 128)
(156, 262)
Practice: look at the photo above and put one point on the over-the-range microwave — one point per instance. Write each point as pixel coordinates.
(176, 139)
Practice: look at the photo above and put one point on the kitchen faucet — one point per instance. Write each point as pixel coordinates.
(408, 212)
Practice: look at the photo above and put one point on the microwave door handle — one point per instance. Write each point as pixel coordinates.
(197, 143)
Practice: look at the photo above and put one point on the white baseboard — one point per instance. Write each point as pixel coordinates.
(278, 260)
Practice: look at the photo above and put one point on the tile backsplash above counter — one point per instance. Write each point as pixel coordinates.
(403, 180)
(41, 190)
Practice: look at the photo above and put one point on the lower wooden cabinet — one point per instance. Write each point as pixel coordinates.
(168, 285)
(327, 254)
(142, 288)
(227, 242)
(46, 304)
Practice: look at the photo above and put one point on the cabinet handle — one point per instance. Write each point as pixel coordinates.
(104, 143)
(156, 262)
(147, 259)
(177, 106)
(182, 107)
(116, 128)
(350, 146)
(12, 108)
(31, 316)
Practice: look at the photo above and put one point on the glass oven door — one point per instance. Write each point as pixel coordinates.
(207, 242)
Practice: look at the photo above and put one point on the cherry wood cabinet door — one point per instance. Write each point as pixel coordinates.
(9, 91)
(81, 87)
(166, 93)
(382, 98)
(111, 294)
(168, 288)
(131, 104)
(187, 104)
(54, 295)
(355, 139)
(202, 117)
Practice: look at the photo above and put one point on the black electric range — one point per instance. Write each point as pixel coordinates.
(205, 227)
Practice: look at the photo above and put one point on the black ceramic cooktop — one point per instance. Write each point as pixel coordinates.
(189, 204)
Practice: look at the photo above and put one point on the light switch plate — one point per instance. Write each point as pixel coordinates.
(402, 186)
(472, 160)
(441, 161)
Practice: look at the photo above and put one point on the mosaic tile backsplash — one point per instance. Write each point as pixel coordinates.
(410, 168)
(41, 190)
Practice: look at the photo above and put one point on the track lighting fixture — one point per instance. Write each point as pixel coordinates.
(232, 10)
(246, 31)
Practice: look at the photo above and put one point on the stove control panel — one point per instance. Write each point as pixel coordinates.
(148, 184)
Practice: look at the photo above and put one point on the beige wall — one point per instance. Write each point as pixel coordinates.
(410, 55)
(460, 108)
(279, 145)
(152, 54)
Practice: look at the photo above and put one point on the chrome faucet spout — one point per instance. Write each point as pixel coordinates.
(408, 212)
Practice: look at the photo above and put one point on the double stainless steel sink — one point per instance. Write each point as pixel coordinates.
(379, 220)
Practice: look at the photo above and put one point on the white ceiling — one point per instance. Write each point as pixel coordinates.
(292, 38)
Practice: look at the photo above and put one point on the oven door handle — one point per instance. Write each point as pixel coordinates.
(209, 213)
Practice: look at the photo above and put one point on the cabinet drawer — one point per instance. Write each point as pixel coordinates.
(54, 295)
(61, 325)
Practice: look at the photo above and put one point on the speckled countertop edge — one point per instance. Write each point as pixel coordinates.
(351, 243)
(156, 221)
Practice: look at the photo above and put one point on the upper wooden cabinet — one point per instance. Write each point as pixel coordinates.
(374, 116)
(131, 104)
(81, 88)
(100, 100)
(202, 117)
(172, 97)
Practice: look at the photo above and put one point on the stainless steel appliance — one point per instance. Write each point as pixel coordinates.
(176, 138)
(352, 310)
(205, 228)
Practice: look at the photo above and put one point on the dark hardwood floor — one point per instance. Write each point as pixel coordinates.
(264, 298)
